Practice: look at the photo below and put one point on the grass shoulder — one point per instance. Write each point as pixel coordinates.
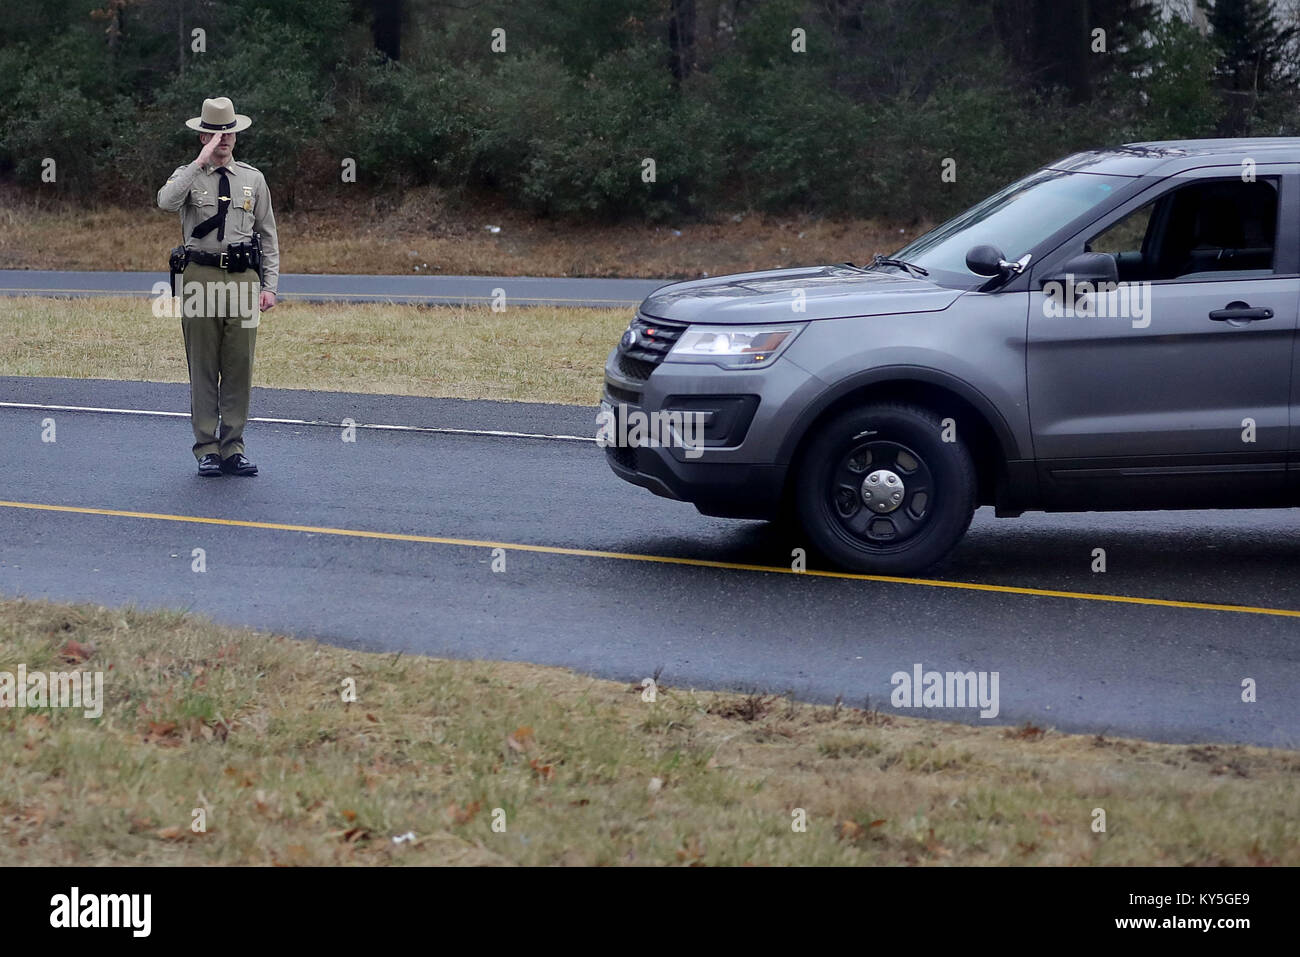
(527, 354)
(477, 762)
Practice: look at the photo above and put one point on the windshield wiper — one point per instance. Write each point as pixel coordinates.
(880, 260)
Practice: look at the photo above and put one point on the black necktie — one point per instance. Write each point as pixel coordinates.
(217, 222)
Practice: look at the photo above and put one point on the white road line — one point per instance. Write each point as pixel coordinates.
(497, 433)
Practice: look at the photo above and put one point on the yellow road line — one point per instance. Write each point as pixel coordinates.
(657, 559)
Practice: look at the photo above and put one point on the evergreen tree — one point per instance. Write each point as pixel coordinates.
(1253, 48)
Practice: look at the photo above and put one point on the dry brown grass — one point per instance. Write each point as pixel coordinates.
(251, 729)
(467, 352)
(355, 233)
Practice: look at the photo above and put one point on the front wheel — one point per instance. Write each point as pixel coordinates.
(879, 490)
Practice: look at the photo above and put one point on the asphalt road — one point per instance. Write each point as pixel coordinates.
(428, 290)
(1167, 672)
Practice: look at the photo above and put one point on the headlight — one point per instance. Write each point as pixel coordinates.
(733, 347)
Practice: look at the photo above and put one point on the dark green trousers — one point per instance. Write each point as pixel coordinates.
(220, 334)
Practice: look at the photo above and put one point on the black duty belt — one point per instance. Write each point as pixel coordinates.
(238, 257)
(208, 259)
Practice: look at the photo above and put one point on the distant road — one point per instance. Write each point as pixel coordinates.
(427, 290)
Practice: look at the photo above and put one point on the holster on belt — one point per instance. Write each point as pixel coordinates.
(256, 258)
(176, 262)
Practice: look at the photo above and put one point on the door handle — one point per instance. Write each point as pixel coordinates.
(1240, 312)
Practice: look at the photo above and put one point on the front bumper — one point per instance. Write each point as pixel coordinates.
(724, 490)
(734, 472)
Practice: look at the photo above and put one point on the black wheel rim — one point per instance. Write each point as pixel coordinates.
(880, 495)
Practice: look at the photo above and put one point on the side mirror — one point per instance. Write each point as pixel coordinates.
(985, 261)
(1087, 267)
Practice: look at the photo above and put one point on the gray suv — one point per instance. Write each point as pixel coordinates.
(1115, 331)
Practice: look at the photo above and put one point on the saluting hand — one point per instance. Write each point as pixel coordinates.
(209, 148)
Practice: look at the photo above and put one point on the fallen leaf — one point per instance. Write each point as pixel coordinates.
(544, 771)
(692, 850)
(352, 835)
(170, 833)
(162, 732)
(34, 816)
(850, 830)
(1258, 857)
(459, 815)
(934, 847)
(296, 854)
(350, 815)
(74, 652)
(520, 739)
(1029, 732)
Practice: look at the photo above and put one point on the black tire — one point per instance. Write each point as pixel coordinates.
(914, 519)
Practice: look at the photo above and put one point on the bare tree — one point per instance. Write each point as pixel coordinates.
(681, 38)
(386, 27)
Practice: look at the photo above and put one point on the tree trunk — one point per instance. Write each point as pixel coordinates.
(386, 27)
(1065, 44)
(681, 38)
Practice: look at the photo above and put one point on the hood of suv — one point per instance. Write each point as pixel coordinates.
(830, 292)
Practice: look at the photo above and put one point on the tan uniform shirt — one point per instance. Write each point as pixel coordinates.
(193, 191)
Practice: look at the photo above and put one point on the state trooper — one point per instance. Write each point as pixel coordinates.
(230, 248)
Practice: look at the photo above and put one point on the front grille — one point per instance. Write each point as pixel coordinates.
(635, 368)
(654, 338)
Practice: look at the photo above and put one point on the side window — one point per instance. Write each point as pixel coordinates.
(1125, 240)
(1204, 230)
(1128, 235)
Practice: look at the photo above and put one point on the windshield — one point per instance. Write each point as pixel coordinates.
(1014, 220)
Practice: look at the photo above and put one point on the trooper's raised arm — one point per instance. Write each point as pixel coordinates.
(172, 195)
